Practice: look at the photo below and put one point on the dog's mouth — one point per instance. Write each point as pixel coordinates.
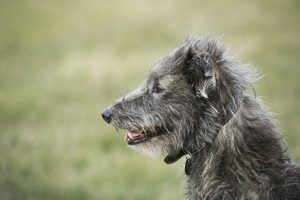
(139, 136)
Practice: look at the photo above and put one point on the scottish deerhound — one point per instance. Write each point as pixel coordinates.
(194, 102)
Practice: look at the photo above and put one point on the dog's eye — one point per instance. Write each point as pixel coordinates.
(157, 89)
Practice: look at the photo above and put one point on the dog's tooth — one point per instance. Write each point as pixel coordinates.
(130, 135)
(126, 136)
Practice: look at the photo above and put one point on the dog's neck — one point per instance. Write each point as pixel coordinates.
(189, 152)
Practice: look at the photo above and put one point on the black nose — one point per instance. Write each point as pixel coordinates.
(106, 114)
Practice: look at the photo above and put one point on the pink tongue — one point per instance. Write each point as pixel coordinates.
(132, 135)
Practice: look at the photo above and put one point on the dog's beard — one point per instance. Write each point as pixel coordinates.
(151, 141)
(146, 150)
(152, 148)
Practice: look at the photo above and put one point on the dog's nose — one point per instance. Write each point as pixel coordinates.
(106, 114)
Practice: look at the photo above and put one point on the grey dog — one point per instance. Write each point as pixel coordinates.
(194, 102)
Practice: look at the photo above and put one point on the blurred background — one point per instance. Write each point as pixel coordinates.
(62, 62)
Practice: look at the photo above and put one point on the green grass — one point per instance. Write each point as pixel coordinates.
(62, 62)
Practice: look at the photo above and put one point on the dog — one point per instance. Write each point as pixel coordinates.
(195, 102)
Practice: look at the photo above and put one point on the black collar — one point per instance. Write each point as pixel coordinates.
(170, 159)
(188, 164)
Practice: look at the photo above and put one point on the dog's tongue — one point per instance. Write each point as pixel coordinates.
(131, 135)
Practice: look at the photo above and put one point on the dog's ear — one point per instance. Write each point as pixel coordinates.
(199, 70)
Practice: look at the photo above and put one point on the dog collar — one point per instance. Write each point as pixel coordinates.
(185, 152)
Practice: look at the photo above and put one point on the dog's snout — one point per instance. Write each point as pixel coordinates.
(106, 114)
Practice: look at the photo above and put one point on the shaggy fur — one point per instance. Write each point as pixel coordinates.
(195, 101)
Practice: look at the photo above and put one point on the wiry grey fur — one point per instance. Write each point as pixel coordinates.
(196, 99)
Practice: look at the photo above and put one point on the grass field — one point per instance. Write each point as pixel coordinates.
(62, 62)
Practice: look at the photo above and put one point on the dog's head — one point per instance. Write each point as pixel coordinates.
(184, 100)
